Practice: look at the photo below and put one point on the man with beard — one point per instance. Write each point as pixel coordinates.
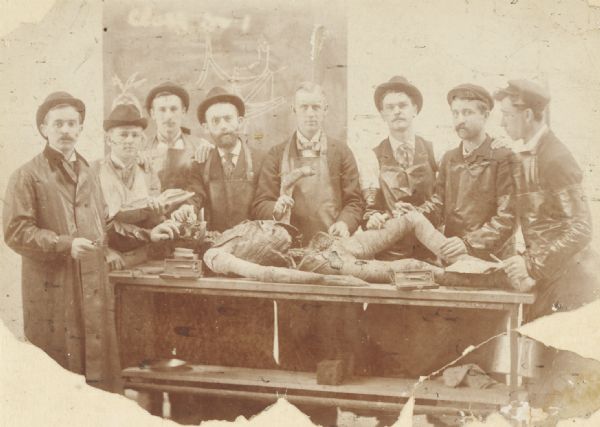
(55, 218)
(330, 200)
(407, 165)
(225, 183)
(171, 150)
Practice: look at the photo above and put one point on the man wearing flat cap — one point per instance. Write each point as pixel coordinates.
(407, 166)
(55, 218)
(172, 148)
(226, 182)
(552, 207)
(474, 192)
(330, 200)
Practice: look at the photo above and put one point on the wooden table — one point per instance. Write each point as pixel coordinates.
(301, 387)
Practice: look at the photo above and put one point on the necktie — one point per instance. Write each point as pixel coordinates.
(228, 165)
(403, 155)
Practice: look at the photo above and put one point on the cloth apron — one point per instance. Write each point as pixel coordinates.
(230, 198)
(315, 205)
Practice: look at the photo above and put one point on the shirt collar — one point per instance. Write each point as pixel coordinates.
(409, 140)
(468, 148)
(235, 152)
(174, 143)
(71, 158)
(118, 163)
(304, 142)
(531, 145)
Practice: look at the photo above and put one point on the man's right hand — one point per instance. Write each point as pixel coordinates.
(376, 221)
(167, 230)
(203, 151)
(402, 208)
(185, 213)
(80, 247)
(281, 206)
(145, 161)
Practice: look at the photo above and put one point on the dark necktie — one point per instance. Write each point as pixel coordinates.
(228, 165)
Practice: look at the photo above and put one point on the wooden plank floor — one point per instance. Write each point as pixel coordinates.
(286, 381)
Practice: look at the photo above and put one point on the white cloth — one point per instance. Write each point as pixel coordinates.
(468, 147)
(177, 143)
(235, 153)
(409, 143)
(531, 145)
(314, 142)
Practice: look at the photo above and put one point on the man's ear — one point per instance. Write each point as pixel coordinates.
(528, 115)
(152, 113)
(241, 120)
(43, 130)
(205, 127)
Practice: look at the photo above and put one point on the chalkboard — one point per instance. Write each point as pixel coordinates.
(260, 51)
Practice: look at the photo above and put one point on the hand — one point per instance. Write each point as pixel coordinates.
(201, 154)
(185, 213)
(452, 248)
(167, 230)
(145, 161)
(157, 207)
(516, 269)
(401, 208)
(500, 142)
(80, 247)
(281, 206)
(339, 229)
(376, 221)
(114, 260)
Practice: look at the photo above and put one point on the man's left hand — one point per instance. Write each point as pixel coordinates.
(167, 230)
(452, 248)
(157, 208)
(516, 268)
(201, 154)
(114, 260)
(339, 229)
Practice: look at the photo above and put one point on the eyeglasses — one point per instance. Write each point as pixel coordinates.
(125, 134)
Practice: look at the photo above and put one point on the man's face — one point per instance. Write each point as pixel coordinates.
(310, 109)
(398, 110)
(125, 141)
(223, 123)
(62, 128)
(168, 112)
(469, 120)
(513, 119)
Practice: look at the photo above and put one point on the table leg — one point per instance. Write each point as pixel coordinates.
(513, 344)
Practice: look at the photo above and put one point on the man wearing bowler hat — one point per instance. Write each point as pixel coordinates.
(172, 148)
(55, 218)
(406, 162)
(124, 181)
(225, 183)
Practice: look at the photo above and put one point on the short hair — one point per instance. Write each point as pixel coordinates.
(394, 90)
(482, 106)
(520, 103)
(166, 93)
(307, 86)
(56, 107)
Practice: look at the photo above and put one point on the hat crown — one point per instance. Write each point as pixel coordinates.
(216, 91)
(399, 79)
(57, 96)
(125, 112)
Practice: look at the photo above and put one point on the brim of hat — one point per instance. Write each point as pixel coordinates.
(500, 94)
(225, 98)
(409, 89)
(109, 124)
(47, 106)
(175, 90)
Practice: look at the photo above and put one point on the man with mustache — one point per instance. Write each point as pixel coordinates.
(55, 218)
(172, 149)
(225, 183)
(328, 201)
(474, 192)
(406, 162)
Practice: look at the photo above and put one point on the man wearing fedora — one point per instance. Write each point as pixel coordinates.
(407, 166)
(171, 149)
(226, 182)
(55, 218)
(329, 201)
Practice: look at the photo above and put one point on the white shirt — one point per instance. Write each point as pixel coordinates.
(235, 152)
(71, 158)
(315, 141)
(468, 147)
(534, 141)
(177, 144)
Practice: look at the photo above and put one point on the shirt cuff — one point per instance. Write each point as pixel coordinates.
(63, 243)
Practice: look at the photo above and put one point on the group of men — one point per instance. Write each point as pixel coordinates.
(61, 214)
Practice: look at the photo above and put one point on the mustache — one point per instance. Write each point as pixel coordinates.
(67, 138)
(460, 127)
